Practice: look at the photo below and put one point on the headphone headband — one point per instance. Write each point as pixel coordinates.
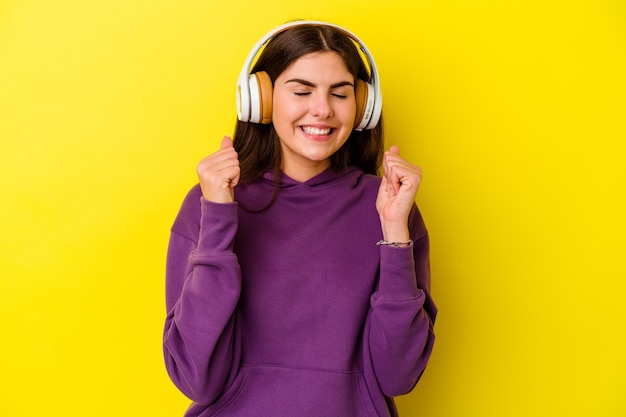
(247, 99)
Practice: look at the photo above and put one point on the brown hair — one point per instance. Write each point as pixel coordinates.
(258, 145)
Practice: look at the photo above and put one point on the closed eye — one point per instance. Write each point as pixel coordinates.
(339, 86)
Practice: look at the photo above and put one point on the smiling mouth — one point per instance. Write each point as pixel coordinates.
(309, 130)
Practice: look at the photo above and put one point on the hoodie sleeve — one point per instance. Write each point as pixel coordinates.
(203, 284)
(402, 313)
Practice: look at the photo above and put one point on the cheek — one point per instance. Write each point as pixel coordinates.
(283, 116)
(282, 110)
(348, 113)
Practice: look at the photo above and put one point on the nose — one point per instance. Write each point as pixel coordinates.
(321, 107)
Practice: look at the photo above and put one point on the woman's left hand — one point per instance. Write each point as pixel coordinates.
(396, 195)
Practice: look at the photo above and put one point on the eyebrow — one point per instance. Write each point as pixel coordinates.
(310, 84)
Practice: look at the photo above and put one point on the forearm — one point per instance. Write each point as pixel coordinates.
(203, 288)
(401, 325)
(199, 334)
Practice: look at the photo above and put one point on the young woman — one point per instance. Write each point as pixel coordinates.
(298, 280)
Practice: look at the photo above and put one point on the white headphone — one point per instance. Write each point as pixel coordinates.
(254, 91)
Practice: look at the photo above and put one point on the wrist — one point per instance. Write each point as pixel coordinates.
(395, 244)
(395, 231)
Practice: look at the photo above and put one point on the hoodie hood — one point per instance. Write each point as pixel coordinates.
(350, 174)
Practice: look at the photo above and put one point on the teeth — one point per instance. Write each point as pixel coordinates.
(315, 131)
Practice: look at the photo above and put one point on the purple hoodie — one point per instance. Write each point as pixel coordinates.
(295, 311)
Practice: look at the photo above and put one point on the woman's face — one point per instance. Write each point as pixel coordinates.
(313, 112)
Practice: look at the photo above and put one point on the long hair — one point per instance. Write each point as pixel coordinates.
(258, 145)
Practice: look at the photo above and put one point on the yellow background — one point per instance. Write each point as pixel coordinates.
(515, 111)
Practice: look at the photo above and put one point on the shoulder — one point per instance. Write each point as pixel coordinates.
(187, 222)
(360, 179)
(417, 226)
(369, 180)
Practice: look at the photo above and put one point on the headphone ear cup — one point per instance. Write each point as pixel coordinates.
(360, 94)
(261, 92)
(243, 100)
(266, 92)
(364, 95)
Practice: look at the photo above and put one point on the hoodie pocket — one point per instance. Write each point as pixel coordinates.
(271, 390)
(228, 396)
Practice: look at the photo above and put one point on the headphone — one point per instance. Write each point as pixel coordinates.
(254, 91)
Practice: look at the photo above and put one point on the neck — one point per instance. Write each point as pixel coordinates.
(304, 173)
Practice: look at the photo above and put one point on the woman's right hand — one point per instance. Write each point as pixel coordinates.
(219, 173)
